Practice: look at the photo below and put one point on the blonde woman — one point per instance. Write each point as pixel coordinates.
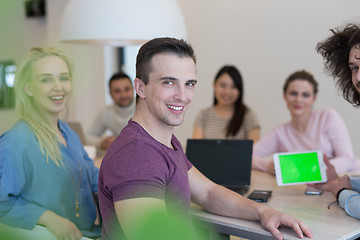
(46, 177)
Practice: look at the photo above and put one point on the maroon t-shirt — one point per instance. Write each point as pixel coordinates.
(137, 165)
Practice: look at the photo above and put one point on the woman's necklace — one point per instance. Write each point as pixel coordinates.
(76, 189)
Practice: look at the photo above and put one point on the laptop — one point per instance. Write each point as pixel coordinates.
(225, 162)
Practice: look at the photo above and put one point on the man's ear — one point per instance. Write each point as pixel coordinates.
(139, 87)
(28, 90)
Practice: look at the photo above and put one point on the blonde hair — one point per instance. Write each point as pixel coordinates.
(45, 133)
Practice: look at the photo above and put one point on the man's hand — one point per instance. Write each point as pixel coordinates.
(106, 142)
(334, 186)
(271, 220)
(62, 228)
(334, 183)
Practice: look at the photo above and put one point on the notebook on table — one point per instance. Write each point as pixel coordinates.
(225, 162)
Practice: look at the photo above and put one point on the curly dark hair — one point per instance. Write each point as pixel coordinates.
(335, 51)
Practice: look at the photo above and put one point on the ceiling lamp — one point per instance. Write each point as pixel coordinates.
(121, 22)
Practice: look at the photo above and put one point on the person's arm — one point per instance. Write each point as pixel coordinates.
(219, 200)
(13, 179)
(265, 147)
(341, 188)
(348, 199)
(254, 134)
(138, 186)
(61, 227)
(18, 212)
(333, 180)
(344, 159)
(334, 186)
(131, 212)
(198, 133)
(198, 130)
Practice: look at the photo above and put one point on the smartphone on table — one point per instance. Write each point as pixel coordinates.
(313, 191)
(260, 195)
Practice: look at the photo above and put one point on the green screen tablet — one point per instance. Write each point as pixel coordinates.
(299, 168)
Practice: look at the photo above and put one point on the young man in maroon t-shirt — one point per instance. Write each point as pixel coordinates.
(146, 168)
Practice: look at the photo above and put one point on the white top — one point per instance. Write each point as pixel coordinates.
(113, 118)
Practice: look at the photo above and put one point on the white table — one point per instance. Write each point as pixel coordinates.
(38, 233)
(325, 223)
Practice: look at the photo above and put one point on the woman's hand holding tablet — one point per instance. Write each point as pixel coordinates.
(293, 168)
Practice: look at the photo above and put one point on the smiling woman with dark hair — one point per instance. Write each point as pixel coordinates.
(229, 117)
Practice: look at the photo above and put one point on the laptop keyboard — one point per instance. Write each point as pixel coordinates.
(239, 189)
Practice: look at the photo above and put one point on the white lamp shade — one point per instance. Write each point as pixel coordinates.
(121, 22)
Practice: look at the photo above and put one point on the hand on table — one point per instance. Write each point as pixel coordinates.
(62, 228)
(271, 220)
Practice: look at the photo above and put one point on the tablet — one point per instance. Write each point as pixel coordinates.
(293, 168)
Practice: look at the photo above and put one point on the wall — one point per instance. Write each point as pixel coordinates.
(266, 40)
(19, 34)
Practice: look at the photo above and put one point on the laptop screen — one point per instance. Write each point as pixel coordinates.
(225, 162)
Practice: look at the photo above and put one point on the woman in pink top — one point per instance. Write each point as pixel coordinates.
(308, 130)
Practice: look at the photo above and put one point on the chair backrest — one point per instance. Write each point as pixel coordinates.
(76, 126)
